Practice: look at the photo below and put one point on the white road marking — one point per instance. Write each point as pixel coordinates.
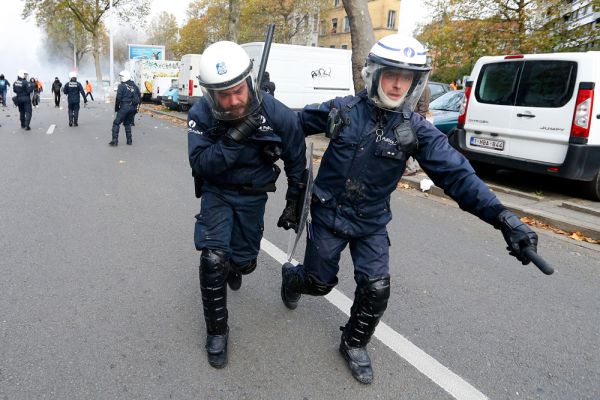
(427, 365)
(50, 130)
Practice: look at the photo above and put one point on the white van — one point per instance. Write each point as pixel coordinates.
(189, 89)
(161, 86)
(303, 74)
(536, 113)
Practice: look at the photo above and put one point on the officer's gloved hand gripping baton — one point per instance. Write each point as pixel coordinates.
(521, 240)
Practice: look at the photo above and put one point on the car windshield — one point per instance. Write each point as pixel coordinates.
(448, 102)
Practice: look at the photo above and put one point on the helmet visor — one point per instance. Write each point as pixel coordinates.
(233, 102)
(395, 88)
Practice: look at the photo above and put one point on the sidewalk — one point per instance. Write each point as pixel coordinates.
(566, 213)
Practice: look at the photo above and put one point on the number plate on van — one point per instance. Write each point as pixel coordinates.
(487, 143)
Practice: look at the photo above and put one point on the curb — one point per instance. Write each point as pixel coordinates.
(171, 114)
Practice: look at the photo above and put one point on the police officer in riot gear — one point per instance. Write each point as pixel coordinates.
(23, 90)
(235, 135)
(126, 103)
(72, 90)
(372, 135)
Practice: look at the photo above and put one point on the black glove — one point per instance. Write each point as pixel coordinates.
(271, 152)
(290, 217)
(246, 128)
(518, 235)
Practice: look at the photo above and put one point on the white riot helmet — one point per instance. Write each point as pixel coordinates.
(72, 74)
(22, 74)
(225, 65)
(398, 55)
(124, 76)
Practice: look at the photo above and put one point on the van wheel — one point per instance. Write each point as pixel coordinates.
(592, 187)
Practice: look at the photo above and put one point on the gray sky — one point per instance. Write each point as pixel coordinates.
(20, 39)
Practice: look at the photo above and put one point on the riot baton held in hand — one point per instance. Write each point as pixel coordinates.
(538, 260)
(265, 55)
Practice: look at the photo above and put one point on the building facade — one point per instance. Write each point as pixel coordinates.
(334, 27)
(582, 13)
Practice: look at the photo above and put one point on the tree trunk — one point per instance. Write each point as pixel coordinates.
(362, 37)
(234, 18)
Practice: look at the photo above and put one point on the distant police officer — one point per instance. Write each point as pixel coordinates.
(372, 135)
(126, 103)
(73, 89)
(4, 85)
(235, 135)
(56, 85)
(23, 90)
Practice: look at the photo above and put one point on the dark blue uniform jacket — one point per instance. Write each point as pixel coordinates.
(362, 167)
(226, 163)
(73, 89)
(22, 89)
(126, 94)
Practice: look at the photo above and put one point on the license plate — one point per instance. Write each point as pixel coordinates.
(487, 143)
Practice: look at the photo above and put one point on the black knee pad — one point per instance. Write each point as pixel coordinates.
(314, 287)
(214, 267)
(374, 292)
(245, 268)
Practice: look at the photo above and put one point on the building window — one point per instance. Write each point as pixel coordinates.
(334, 25)
(323, 28)
(332, 46)
(346, 24)
(336, 3)
(344, 46)
(391, 22)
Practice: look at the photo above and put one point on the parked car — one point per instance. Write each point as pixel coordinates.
(536, 113)
(437, 89)
(171, 99)
(445, 110)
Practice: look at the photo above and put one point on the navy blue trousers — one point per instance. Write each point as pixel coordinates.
(370, 253)
(231, 222)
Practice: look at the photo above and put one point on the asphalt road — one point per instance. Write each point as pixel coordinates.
(99, 295)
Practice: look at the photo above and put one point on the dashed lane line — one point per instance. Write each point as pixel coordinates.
(427, 365)
(50, 130)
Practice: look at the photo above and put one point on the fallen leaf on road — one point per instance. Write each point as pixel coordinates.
(402, 185)
(580, 237)
(121, 162)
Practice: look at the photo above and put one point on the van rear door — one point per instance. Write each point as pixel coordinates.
(492, 106)
(541, 123)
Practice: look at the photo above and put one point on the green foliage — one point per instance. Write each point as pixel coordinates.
(464, 30)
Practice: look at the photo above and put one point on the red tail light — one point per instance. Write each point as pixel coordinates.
(191, 87)
(462, 113)
(583, 111)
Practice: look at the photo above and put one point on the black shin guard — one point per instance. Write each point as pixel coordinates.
(370, 301)
(213, 274)
(295, 281)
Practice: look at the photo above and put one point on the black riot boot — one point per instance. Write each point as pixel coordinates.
(295, 281)
(129, 138)
(213, 276)
(234, 278)
(370, 302)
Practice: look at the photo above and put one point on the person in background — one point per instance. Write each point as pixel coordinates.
(453, 85)
(88, 90)
(73, 89)
(56, 85)
(126, 103)
(35, 100)
(4, 85)
(23, 90)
